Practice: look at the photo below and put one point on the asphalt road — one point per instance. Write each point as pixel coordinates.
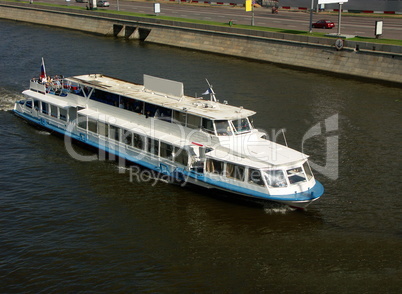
(362, 26)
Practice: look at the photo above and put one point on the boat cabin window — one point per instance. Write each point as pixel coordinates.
(131, 105)
(63, 114)
(296, 175)
(185, 119)
(28, 103)
(105, 97)
(241, 125)
(150, 110)
(82, 121)
(127, 137)
(45, 108)
(163, 113)
(103, 129)
(53, 110)
(235, 171)
(214, 166)
(138, 141)
(72, 113)
(92, 125)
(36, 105)
(180, 118)
(114, 132)
(307, 170)
(275, 178)
(208, 126)
(158, 112)
(193, 121)
(153, 146)
(166, 150)
(181, 156)
(254, 177)
(223, 128)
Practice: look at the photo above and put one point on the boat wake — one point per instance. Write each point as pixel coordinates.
(43, 133)
(278, 209)
(7, 99)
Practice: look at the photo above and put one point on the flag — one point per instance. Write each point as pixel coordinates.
(209, 91)
(43, 70)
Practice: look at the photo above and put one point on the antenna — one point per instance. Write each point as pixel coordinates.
(284, 137)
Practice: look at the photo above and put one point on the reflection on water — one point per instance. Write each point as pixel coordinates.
(68, 225)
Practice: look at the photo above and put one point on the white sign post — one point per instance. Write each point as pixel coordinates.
(92, 4)
(339, 18)
(157, 8)
(311, 17)
(378, 28)
(340, 9)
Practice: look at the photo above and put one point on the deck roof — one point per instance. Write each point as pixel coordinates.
(191, 105)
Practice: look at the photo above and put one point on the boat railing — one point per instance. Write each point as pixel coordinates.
(36, 86)
(52, 85)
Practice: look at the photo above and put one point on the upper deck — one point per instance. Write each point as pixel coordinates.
(164, 93)
(207, 122)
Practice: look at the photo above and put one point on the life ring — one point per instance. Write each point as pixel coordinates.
(339, 44)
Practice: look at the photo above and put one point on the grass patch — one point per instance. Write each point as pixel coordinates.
(249, 27)
(214, 23)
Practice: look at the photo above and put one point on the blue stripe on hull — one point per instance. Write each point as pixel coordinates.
(303, 198)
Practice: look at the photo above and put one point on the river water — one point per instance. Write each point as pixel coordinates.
(68, 226)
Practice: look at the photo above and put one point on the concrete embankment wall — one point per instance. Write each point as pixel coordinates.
(366, 60)
(66, 19)
(372, 65)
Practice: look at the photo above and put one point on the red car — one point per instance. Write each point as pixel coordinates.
(324, 24)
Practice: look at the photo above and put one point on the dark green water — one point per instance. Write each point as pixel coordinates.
(68, 226)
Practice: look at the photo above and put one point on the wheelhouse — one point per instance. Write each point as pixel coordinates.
(269, 178)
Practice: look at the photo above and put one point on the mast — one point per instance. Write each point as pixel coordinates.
(211, 92)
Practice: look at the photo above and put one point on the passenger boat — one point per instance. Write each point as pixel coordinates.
(198, 141)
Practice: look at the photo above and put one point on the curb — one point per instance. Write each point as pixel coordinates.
(343, 10)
